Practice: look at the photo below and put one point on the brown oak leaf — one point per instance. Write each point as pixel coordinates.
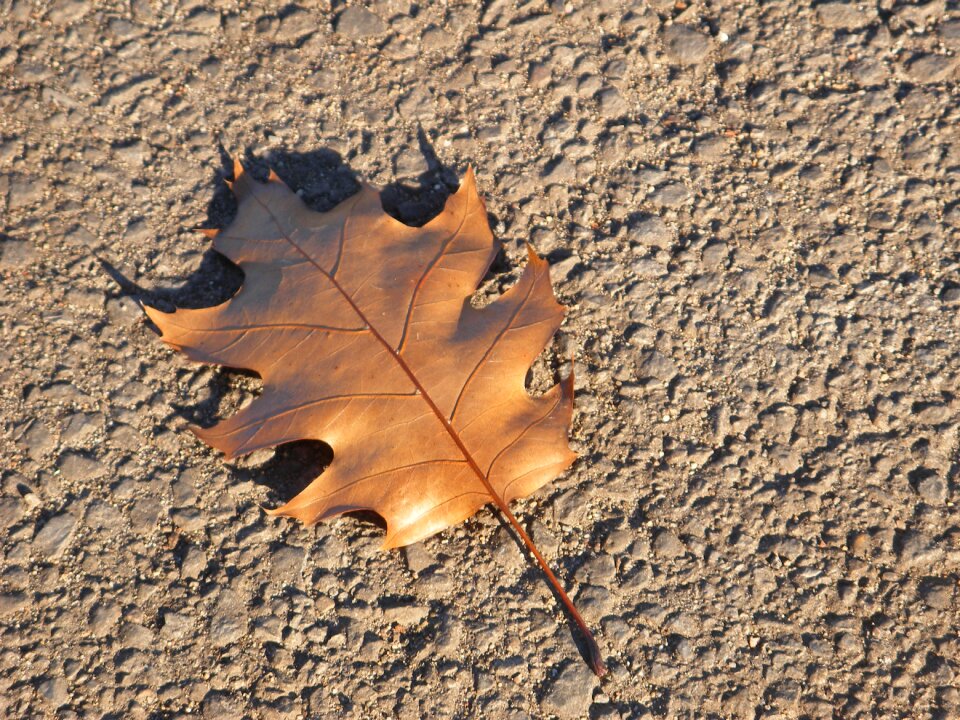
(363, 332)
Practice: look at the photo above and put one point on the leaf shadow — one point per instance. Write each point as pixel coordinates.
(323, 180)
(532, 571)
(292, 467)
(418, 202)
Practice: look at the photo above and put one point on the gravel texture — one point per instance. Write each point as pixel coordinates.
(752, 211)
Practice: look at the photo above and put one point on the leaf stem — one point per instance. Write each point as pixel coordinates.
(593, 650)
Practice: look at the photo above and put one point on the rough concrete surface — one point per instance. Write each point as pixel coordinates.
(752, 211)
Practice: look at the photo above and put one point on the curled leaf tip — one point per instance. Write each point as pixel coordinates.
(156, 316)
(469, 182)
(532, 255)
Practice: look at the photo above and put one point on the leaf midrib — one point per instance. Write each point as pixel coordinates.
(421, 390)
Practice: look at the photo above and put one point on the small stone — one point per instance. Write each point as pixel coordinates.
(868, 72)
(228, 623)
(188, 519)
(24, 192)
(296, 24)
(133, 154)
(666, 544)
(418, 104)
(11, 602)
(204, 20)
(565, 268)
(933, 413)
(570, 694)
(418, 559)
(79, 427)
(595, 600)
(711, 149)
(269, 628)
(652, 231)
(288, 561)
(539, 75)
(184, 489)
(10, 512)
(844, 16)
(653, 614)
(671, 195)
(859, 544)
(194, 563)
(358, 23)
(950, 294)
(31, 72)
(849, 644)
(931, 68)
(950, 32)
(435, 39)
(657, 365)
(684, 624)
(606, 711)
(407, 615)
(145, 513)
(65, 12)
(128, 92)
(662, 673)
(38, 440)
(54, 691)
(176, 625)
(15, 254)
(137, 636)
(218, 704)
(55, 535)
(715, 255)
(685, 45)
(80, 468)
(589, 85)
(410, 162)
(685, 650)
(612, 104)
(937, 593)
(649, 269)
(103, 617)
(915, 549)
(614, 628)
(652, 176)
(932, 489)
(559, 171)
(102, 515)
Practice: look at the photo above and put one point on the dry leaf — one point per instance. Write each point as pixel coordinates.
(363, 333)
